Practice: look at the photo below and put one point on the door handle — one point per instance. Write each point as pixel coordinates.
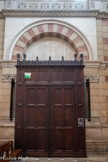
(80, 105)
(80, 122)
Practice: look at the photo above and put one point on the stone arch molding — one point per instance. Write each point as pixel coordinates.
(50, 29)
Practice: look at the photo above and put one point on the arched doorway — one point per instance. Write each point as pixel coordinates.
(50, 29)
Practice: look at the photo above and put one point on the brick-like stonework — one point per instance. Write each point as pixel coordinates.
(99, 40)
(105, 39)
(5, 89)
(107, 99)
(2, 27)
(51, 30)
(97, 128)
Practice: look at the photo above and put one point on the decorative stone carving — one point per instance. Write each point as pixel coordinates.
(9, 4)
(8, 77)
(43, 5)
(92, 78)
(91, 4)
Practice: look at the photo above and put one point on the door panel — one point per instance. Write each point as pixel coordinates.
(36, 119)
(62, 120)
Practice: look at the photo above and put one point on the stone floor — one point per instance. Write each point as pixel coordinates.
(88, 159)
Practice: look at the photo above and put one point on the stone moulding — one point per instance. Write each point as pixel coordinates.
(32, 13)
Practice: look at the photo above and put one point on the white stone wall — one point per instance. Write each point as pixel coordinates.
(14, 27)
(50, 46)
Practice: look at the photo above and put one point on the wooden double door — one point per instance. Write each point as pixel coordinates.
(50, 114)
(50, 120)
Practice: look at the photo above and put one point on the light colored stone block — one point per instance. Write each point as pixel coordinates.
(105, 29)
(5, 99)
(100, 52)
(102, 99)
(105, 35)
(104, 120)
(27, 36)
(100, 58)
(105, 133)
(100, 46)
(101, 72)
(1, 51)
(5, 106)
(102, 92)
(106, 71)
(1, 85)
(105, 46)
(94, 99)
(102, 106)
(7, 85)
(99, 34)
(94, 105)
(45, 27)
(105, 53)
(93, 133)
(96, 147)
(6, 92)
(64, 31)
(94, 92)
(20, 43)
(2, 29)
(102, 79)
(98, 22)
(1, 40)
(99, 28)
(90, 71)
(106, 85)
(1, 46)
(2, 22)
(102, 85)
(1, 34)
(99, 113)
(6, 132)
(36, 31)
(93, 85)
(4, 113)
(100, 41)
(73, 36)
(80, 43)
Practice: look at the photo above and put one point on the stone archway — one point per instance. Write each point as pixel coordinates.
(51, 30)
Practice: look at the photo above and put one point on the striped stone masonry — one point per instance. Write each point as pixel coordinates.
(105, 39)
(51, 30)
(106, 78)
(107, 99)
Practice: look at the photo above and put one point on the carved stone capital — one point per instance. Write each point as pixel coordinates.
(8, 77)
(92, 78)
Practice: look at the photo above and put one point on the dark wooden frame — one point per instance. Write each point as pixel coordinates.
(51, 85)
